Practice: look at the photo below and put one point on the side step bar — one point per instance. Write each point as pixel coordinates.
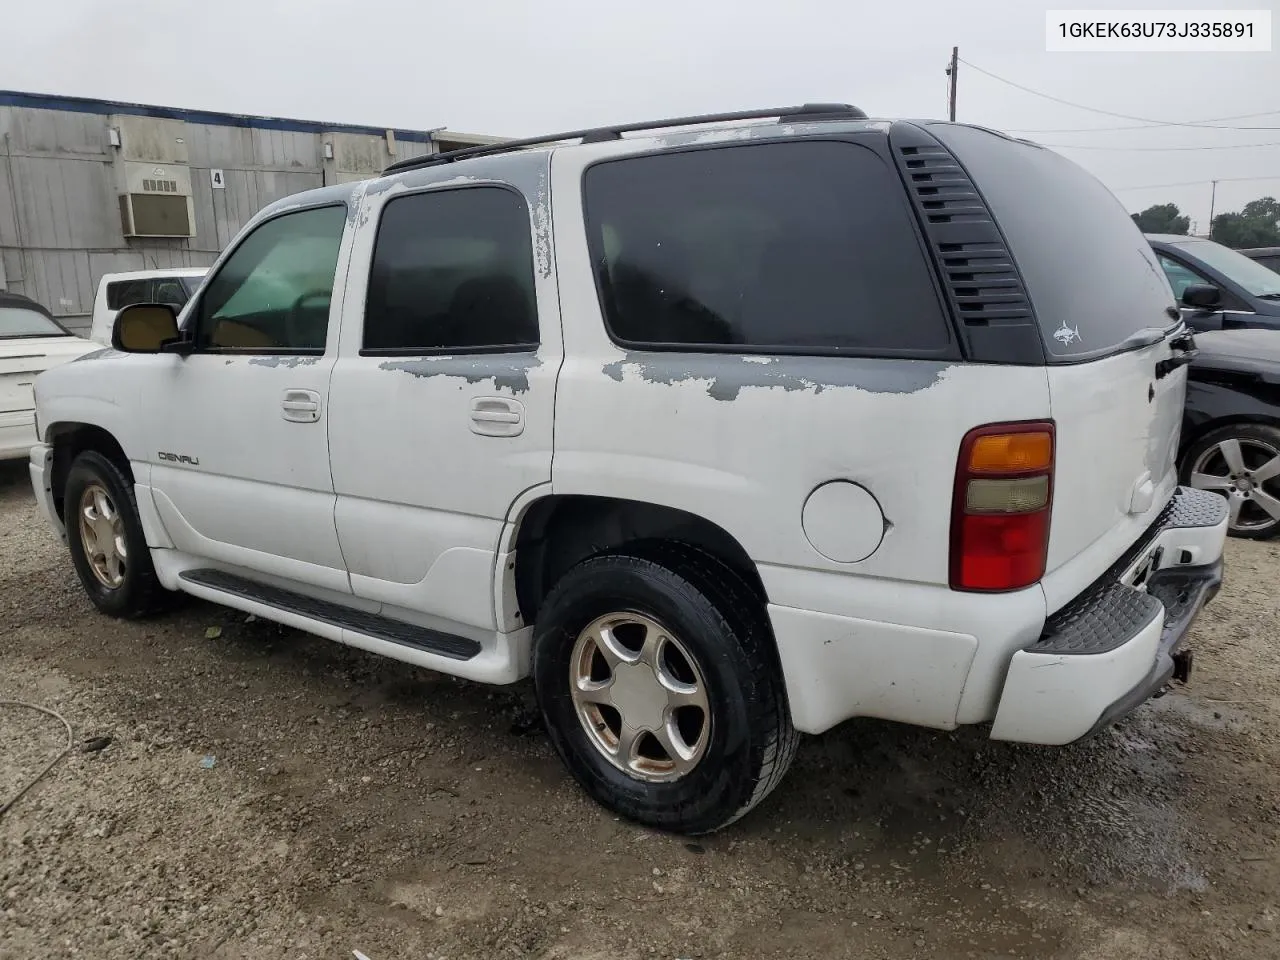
(370, 624)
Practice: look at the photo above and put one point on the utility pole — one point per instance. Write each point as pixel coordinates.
(951, 72)
(1213, 202)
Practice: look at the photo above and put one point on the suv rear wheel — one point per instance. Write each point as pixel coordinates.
(107, 544)
(1242, 463)
(660, 687)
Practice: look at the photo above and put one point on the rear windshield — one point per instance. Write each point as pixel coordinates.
(172, 290)
(1093, 279)
(1256, 278)
(21, 322)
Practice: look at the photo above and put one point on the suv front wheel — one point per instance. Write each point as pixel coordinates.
(107, 544)
(660, 687)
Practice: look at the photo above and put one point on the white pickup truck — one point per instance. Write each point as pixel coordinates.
(722, 431)
(119, 290)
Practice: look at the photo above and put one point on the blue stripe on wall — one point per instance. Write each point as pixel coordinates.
(39, 101)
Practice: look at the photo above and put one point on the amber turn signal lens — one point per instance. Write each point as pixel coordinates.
(1012, 452)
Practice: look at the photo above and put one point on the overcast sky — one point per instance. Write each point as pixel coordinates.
(512, 68)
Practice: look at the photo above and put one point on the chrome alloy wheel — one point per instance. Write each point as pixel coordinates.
(102, 536)
(1245, 470)
(640, 697)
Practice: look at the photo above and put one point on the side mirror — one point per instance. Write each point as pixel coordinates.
(145, 328)
(1202, 296)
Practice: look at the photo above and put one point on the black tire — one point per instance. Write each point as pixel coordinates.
(140, 592)
(1253, 521)
(722, 623)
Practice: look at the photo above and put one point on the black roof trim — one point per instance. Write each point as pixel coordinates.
(804, 113)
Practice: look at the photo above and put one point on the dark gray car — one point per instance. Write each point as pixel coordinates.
(1267, 256)
(1217, 287)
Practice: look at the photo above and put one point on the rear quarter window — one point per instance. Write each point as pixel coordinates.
(784, 247)
(1092, 277)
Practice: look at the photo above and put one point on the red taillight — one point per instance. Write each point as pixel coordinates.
(1001, 506)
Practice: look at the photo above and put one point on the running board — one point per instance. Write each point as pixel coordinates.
(369, 624)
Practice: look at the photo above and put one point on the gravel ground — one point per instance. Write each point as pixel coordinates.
(268, 794)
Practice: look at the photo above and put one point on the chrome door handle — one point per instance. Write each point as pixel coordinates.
(497, 417)
(300, 406)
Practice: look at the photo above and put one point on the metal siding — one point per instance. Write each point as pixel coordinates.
(202, 194)
(8, 210)
(56, 276)
(101, 264)
(14, 271)
(64, 208)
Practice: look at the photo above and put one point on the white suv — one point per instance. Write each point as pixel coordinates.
(722, 433)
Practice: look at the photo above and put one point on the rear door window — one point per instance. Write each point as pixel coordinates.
(1093, 278)
(452, 272)
(787, 247)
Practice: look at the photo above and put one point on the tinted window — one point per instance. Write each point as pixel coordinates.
(796, 246)
(452, 270)
(1257, 279)
(124, 293)
(1092, 276)
(174, 290)
(20, 322)
(273, 292)
(1180, 277)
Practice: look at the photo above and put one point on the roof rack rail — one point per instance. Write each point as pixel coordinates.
(803, 113)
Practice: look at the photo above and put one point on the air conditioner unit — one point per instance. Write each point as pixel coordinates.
(157, 201)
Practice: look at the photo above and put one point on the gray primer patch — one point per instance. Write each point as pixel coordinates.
(508, 371)
(729, 373)
(542, 226)
(289, 362)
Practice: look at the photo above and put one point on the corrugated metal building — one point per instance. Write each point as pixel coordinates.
(89, 187)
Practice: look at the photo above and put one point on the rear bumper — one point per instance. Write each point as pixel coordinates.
(1115, 645)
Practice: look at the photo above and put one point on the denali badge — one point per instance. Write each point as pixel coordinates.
(179, 458)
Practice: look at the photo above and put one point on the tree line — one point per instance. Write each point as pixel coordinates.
(1257, 224)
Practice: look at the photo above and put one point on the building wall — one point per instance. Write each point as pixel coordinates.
(60, 225)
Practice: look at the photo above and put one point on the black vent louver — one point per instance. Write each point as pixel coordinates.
(978, 272)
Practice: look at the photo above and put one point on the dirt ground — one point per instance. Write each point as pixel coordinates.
(355, 803)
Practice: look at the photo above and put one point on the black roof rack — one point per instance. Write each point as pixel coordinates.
(804, 113)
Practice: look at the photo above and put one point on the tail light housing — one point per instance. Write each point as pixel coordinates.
(1001, 506)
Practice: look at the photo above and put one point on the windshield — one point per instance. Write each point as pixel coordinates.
(1257, 280)
(21, 322)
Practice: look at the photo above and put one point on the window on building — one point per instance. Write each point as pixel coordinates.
(274, 290)
(452, 271)
(802, 246)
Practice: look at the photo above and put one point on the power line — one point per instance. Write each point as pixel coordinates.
(1189, 183)
(1107, 113)
(1228, 146)
(1145, 126)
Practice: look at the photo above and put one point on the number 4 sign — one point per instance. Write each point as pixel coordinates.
(215, 178)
